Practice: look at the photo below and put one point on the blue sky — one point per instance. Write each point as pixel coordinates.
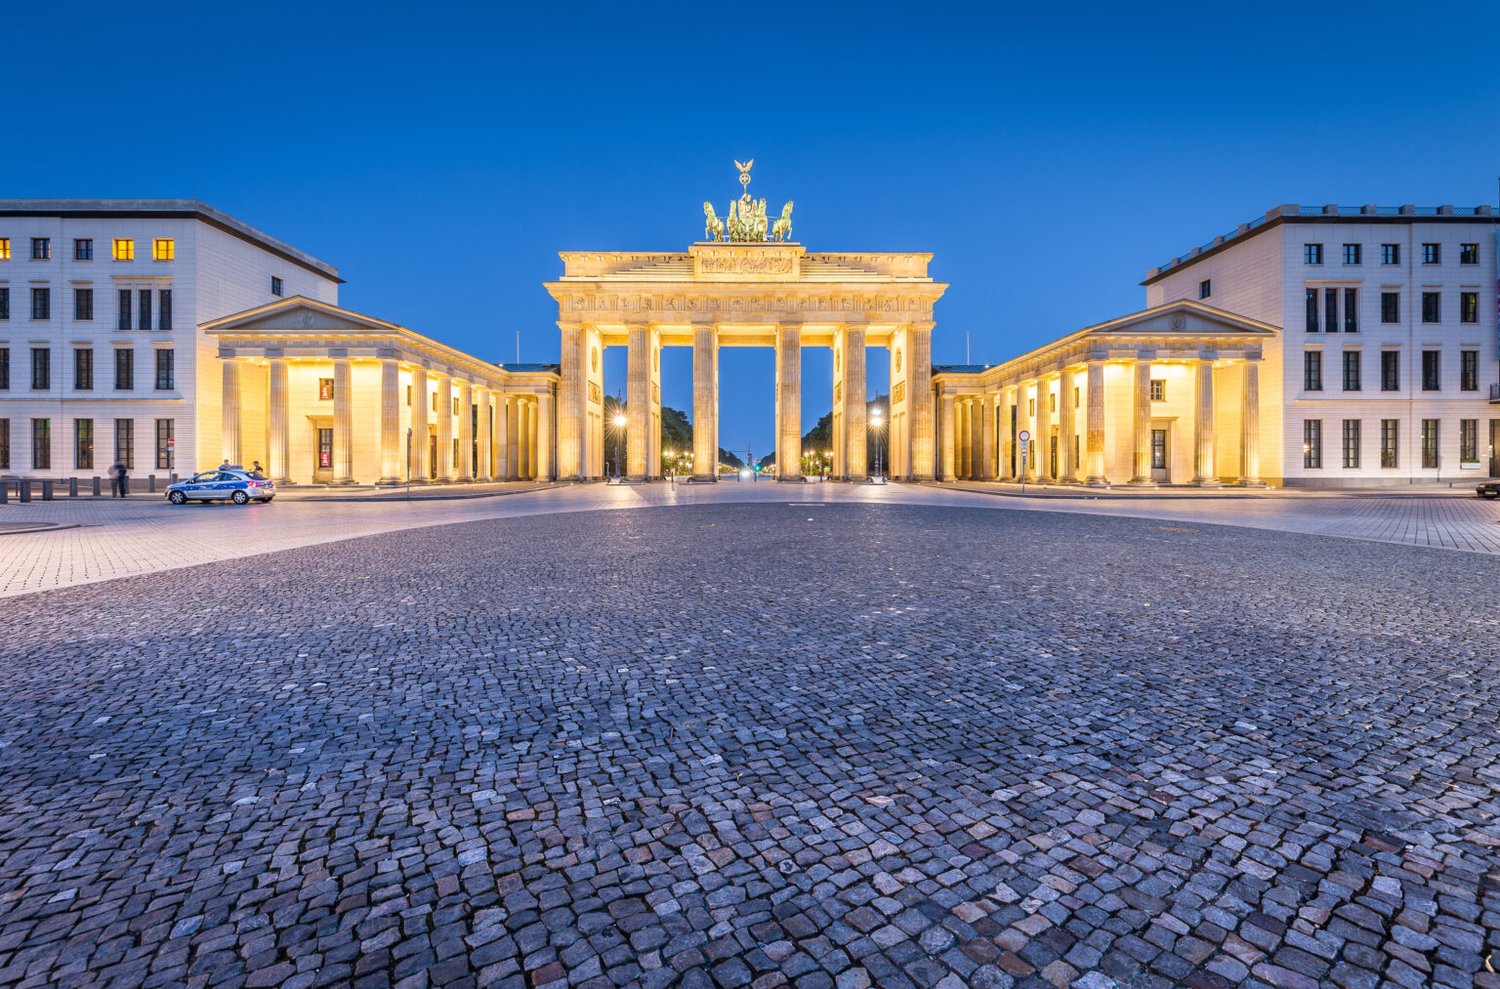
(1046, 154)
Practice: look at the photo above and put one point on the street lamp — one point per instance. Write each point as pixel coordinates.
(619, 442)
(877, 423)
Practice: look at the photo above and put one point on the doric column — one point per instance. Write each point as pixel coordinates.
(1250, 426)
(420, 432)
(1067, 428)
(705, 402)
(572, 407)
(1093, 436)
(1042, 441)
(637, 401)
(1204, 467)
(986, 432)
(512, 437)
(464, 471)
(444, 429)
(343, 422)
(390, 422)
(788, 401)
(948, 425)
(532, 460)
(231, 413)
(920, 402)
(1025, 467)
(966, 439)
(486, 440)
(523, 438)
(545, 440)
(1141, 404)
(1005, 446)
(278, 420)
(856, 407)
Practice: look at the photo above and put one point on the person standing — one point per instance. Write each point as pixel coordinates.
(118, 480)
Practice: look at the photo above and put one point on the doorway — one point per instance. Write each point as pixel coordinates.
(1161, 460)
(323, 455)
(432, 456)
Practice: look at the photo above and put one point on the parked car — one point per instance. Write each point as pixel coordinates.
(234, 484)
(1489, 489)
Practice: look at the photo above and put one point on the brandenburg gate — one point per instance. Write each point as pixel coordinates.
(746, 284)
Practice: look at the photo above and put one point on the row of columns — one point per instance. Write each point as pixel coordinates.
(971, 449)
(514, 440)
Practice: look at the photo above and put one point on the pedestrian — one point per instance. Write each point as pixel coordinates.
(118, 480)
(255, 466)
(225, 464)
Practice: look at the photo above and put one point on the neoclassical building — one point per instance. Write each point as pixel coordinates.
(322, 395)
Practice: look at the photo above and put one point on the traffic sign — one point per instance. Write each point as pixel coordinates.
(1024, 435)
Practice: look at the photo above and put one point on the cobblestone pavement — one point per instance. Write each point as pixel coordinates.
(738, 745)
(107, 539)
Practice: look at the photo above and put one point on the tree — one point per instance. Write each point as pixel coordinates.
(728, 459)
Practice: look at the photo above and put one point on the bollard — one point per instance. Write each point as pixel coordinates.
(46, 490)
(96, 487)
(72, 487)
(4, 492)
(23, 487)
(125, 484)
(151, 483)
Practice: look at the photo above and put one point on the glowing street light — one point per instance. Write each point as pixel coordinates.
(877, 424)
(620, 421)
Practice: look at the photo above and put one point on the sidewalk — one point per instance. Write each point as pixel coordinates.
(1082, 492)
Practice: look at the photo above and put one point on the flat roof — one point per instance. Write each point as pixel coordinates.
(1293, 213)
(165, 208)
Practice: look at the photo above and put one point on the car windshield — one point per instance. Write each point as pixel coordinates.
(257, 475)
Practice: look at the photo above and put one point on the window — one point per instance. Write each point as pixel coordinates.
(325, 449)
(1432, 305)
(276, 288)
(1468, 370)
(83, 368)
(41, 368)
(1158, 389)
(164, 377)
(1431, 370)
(1468, 441)
(41, 249)
(1312, 443)
(83, 249)
(408, 396)
(1351, 310)
(325, 389)
(1050, 396)
(1331, 310)
(124, 322)
(5, 368)
(1351, 443)
(41, 444)
(1158, 449)
(1312, 371)
(125, 442)
(163, 249)
(164, 313)
(1390, 370)
(1390, 434)
(123, 249)
(4, 248)
(83, 444)
(1468, 253)
(144, 315)
(1432, 254)
(1205, 288)
(455, 453)
(1351, 254)
(1390, 253)
(1468, 307)
(4, 303)
(1312, 310)
(1390, 307)
(1351, 370)
(1430, 443)
(83, 303)
(124, 369)
(4, 444)
(164, 444)
(1312, 253)
(41, 303)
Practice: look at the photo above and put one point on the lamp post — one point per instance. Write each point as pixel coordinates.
(620, 421)
(877, 424)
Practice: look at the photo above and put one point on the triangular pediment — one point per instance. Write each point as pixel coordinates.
(297, 315)
(1184, 318)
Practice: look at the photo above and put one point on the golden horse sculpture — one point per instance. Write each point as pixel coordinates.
(781, 230)
(713, 227)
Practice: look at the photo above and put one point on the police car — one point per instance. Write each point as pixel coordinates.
(234, 484)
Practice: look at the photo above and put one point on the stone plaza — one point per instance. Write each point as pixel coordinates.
(708, 739)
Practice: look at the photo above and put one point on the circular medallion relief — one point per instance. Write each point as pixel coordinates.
(1178, 321)
(594, 358)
